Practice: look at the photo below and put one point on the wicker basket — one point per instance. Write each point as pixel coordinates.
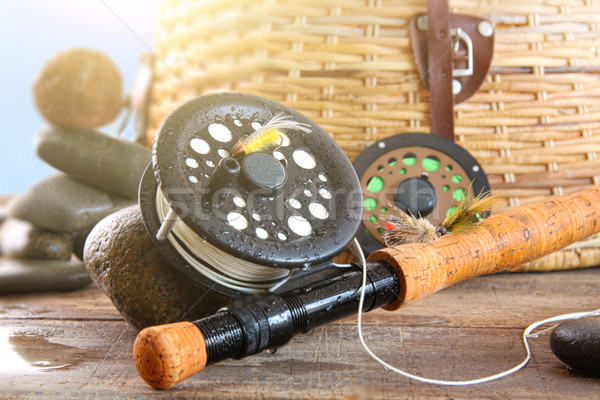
(347, 64)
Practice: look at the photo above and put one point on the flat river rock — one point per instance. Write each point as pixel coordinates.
(108, 162)
(61, 203)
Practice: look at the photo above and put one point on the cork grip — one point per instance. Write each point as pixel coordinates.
(167, 354)
(501, 242)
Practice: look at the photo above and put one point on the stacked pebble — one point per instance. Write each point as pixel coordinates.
(77, 91)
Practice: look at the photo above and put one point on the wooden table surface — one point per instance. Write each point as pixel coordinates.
(75, 345)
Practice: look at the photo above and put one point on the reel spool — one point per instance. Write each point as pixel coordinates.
(424, 174)
(276, 211)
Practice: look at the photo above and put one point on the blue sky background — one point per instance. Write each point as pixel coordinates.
(32, 31)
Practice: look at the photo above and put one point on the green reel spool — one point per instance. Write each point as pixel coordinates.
(423, 174)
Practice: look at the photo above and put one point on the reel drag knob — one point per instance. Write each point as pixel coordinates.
(262, 171)
(416, 196)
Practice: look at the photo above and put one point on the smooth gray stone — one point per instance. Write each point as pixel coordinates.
(79, 239)
(577, 343)
(63, 204)
(108, 162)
(20, 239)
(24, 276)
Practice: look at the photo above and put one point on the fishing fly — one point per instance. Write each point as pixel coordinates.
(269, 135)
(402, 227)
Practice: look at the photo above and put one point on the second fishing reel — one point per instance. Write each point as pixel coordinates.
(422, 174)
(257, 194)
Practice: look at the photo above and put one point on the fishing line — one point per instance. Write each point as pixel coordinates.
(358, 253)
(217, 265)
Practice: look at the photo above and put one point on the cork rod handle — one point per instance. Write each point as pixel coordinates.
(167, 354)
(501, 242)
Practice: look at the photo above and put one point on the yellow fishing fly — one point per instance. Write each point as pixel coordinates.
(269, 135)
(468, 213)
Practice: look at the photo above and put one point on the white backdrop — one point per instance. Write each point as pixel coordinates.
(31, 31)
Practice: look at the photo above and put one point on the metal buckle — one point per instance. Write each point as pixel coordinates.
(458, 35)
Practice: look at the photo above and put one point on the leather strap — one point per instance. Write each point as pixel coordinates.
(427, 44)
(439, 73)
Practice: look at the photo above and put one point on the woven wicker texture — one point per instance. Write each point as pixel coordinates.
(347, 64)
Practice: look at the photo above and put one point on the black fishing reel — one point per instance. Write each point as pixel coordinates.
(422, 174)
(260, 194)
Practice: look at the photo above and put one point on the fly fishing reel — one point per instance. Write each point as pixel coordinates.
(422, 174)
(251, 192)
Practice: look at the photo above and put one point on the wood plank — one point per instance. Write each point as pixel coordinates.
(326, 363)
(83, 304)
(470, 330)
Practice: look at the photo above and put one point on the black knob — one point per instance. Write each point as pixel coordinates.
(417, 196)
(227, 171)
(262, 171)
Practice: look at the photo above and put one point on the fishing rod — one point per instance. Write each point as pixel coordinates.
(166, 355)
